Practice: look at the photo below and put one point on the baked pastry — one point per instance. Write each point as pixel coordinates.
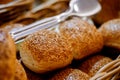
(70, 74)
(111, 33)
(110, 10)
(92, 64)
(7, 56)
(20, 73)
(84, 37)
(45, 51)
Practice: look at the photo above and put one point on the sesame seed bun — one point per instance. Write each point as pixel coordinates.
(45, 51)
(84, 37)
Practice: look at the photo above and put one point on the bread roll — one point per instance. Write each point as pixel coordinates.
(111, 33)
(84, 37)
(45, 51)
(7, 56)
(93, 64)
(70, 74)
(20, 73)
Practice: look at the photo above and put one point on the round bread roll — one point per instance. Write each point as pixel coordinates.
(7, 56)
(111, 33)
(20, 73)
(70, 74)
(110, 10)
(45, 51)
(84, 37)
(93, 64)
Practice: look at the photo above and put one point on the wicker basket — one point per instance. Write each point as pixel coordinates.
(110, 71)
(44, 10)
(14, 9)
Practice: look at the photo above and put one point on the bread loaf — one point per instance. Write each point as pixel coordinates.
(111, 33)
(84, 37)
(50, 49)
(7, 56)
(45, 51)
(93, 64)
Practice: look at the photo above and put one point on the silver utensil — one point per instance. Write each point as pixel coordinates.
(76, 7)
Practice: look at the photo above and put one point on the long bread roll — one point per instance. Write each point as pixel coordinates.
(84, 37)
(45, 50)
(7, 56)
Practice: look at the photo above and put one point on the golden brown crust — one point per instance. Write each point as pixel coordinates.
(45, 51)
(93, 64)
(70, 74)
(7, 56)
(111, 33)
(20, 73)
(84, 37)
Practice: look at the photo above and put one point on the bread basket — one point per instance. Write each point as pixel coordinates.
(46, 9)
(14, 9)
(110, 71)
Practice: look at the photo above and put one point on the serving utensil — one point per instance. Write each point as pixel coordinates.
(76, 7)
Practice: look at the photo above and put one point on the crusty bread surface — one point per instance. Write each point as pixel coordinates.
(85, 38)
(7, 56)
(45, 51)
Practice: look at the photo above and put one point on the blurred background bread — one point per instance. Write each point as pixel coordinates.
(7, 56)
(110, 10)
(45, 51)
(39, 11)
(92, 64)
(13, 10)
(111, 33)
(70, 74)
(84, 37)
